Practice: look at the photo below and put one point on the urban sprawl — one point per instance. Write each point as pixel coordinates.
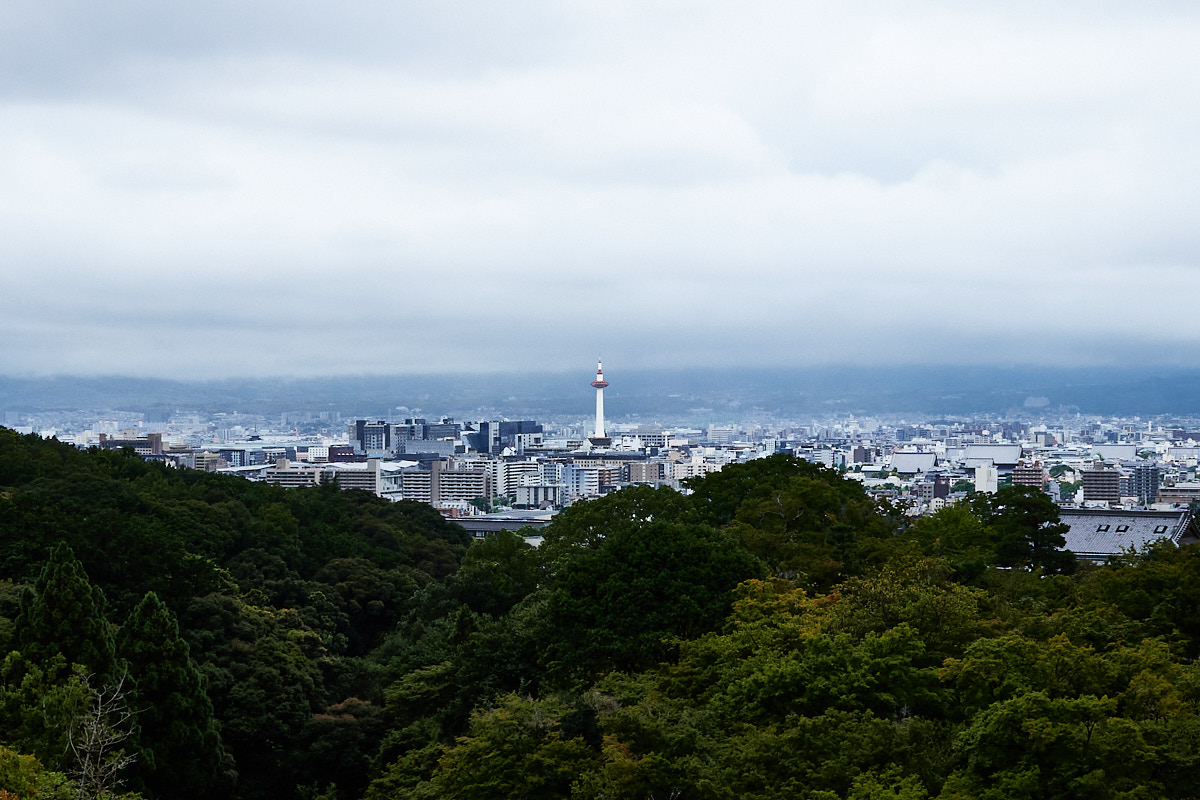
(1120, 483)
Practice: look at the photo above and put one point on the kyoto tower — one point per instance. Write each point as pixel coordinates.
(598, 438)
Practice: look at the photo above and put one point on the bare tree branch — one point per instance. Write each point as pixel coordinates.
(96, 741)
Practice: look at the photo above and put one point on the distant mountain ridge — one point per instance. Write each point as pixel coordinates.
(665, 395)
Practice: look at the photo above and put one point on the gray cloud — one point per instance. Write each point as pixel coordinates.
(301, 189)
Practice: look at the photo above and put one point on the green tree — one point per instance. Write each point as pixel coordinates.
(516, 751)
(619, 603)
(718, 495)
(38, 707)
(496, 574)
(263, 673)
(956, 534)
(890, 784)
(179, 748)
(1027, 530)
(588, 523)
(23, 776)
(64, 615)
(370, 597)
(812, 528)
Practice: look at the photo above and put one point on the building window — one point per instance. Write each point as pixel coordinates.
(1101, 529)
(1122, 528)
(1160, 529)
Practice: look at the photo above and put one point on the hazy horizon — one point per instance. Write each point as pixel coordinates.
(717, 394)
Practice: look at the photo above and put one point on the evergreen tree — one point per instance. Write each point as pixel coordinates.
(64, 614)
(179, 746)
(1027, 531)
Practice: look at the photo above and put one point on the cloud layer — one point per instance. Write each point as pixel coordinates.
(317, 188)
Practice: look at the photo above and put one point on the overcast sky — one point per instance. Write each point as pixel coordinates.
(216, 188)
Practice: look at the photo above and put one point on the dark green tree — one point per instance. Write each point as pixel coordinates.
(64, 615)
(958, 536)
(718, 495)
(589, 523)
(496, 574)
(619, 603)
(179, 747)
(814, 529)
(1026, 529)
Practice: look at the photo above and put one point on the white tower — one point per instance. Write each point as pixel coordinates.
(599, 385)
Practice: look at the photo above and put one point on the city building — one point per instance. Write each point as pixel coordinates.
(1184, 493)
(933, 485)
(1032, 475)
(987, 478)
(1143, 481)
(1098, 534)
(148, 445)
(1101, 484)
(910, 463)
(372, 438)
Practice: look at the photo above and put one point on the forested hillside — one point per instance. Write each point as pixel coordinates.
(774, 634)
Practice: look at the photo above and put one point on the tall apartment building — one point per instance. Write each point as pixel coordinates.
(372, 438)
(1102, 484)
(209, 461)
(538, 496)
(513, 474)
(521, 433)
(451, 485)
(368, 477)
(694, 468)
(480, 463)
(285, 475)
(413, 436)
(1033, 475)
(446, 429)
(581, 481)
(863, 455)
(552, 472)
(721, 434)
(987, 478)
(1143, 480)
(416, 484)
(443, 483)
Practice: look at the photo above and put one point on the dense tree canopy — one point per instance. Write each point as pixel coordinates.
(772, 634)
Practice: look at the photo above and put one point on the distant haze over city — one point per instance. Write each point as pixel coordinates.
(697, 396)
(222, 190)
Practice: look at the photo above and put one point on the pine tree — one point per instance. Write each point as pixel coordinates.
(179, 746)
(64, 614)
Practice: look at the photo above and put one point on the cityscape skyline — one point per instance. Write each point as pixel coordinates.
(223, 191)
(491, 473)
